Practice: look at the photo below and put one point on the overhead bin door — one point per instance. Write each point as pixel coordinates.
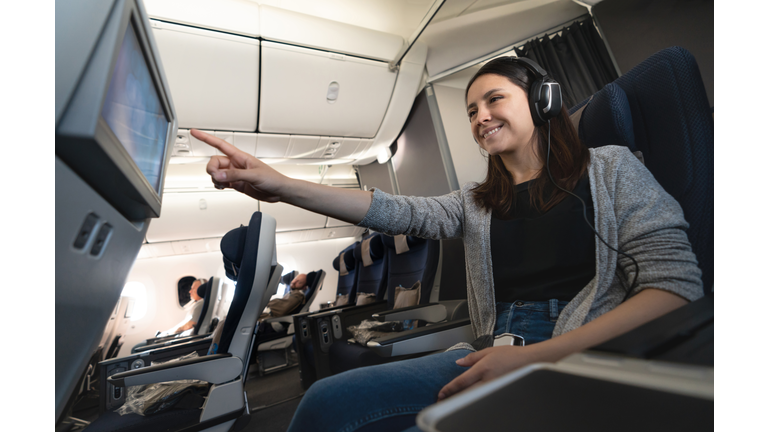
(311, 92)
(214, 76)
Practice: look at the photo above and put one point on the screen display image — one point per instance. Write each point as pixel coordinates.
(133, 111)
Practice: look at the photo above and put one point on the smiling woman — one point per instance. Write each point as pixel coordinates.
(498, 97)
(561, 304)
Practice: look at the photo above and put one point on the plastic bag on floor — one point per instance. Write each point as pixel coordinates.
(369, 329)
(151, 399)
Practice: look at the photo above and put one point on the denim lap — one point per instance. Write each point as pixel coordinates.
(359, 397)
(388, 397)
(534, 321)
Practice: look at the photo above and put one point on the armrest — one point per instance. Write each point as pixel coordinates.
(339, 309)
(216, 369)
(423, 339)
(283, 319)
(433, 312)
(176, 341)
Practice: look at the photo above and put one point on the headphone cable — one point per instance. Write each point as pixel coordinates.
(584, 211)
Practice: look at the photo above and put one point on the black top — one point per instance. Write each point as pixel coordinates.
(541, 256)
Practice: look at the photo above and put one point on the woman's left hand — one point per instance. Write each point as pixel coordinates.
(488, 364)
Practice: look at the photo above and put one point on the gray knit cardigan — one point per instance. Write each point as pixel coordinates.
(631, 210)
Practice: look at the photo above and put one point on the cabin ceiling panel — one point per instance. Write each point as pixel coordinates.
(291, 218)
(460, 40)
(195, 215)
(213, 76)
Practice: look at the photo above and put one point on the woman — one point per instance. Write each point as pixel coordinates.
(534, 267)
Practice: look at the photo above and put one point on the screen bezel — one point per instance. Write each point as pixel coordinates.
(104, 134)
(84, 140)
(156, 173)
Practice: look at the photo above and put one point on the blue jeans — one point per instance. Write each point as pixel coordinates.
(388, 397)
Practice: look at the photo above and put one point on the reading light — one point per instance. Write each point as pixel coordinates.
(384, 155)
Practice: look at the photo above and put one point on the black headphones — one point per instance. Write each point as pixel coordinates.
(544, 97)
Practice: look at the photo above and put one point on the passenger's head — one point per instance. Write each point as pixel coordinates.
(299, 282)
(502, 124)
(197, 289)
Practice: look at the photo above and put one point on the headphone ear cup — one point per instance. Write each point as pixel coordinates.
(556, 100)
(535, 102)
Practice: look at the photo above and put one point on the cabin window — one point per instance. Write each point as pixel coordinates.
(138, 292)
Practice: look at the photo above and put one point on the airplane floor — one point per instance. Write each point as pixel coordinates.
(272, 399)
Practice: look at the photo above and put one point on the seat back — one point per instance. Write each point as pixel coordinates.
(419, 263)
(371, 261)
(250, 259)
(347, 284)
(667, 115)
(315, 281)
(203, 324)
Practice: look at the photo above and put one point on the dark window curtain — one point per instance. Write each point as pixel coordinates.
(577, 58)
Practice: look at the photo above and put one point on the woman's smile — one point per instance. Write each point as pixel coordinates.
(499, 116)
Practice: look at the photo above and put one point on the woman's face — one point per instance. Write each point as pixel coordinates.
(499, 116)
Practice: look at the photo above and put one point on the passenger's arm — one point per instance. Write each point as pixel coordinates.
(491, 363)
(185, 327)
(247, 174)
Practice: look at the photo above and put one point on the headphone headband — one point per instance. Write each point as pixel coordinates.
(545, 97)
(531, 66)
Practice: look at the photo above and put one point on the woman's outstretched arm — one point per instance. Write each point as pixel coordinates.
(247, 174)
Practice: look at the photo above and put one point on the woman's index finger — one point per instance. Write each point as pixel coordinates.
(228, 149)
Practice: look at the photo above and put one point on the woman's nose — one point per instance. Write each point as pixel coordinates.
(483, 116)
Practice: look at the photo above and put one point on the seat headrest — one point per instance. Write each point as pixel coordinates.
(607, 119)
(232, 246)
(287, 278)
(205, 288)
(375, 245)
(349, 257)
(389, 241)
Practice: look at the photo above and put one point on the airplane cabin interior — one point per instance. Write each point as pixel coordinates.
(357, 95)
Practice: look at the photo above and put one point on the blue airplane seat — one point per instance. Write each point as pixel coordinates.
(250, 258)
(347, 284)
(668, 118)
(418, 264)
(203, 327)
(346, 288)
(272, 337)
(372, 265)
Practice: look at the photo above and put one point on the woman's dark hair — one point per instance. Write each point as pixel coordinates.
(568, 158)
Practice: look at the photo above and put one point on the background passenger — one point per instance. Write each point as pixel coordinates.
(282, 306)
(534, 267)
(192, 309)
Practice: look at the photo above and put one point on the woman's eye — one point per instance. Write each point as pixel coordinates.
(495, 98)
(471, 114)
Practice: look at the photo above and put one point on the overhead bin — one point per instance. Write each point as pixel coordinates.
(313, 92)
(214, 76)
(190, 215)
(294, 28)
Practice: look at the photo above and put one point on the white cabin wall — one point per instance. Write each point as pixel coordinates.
(469, 164)
(311, 256)
(160, 277)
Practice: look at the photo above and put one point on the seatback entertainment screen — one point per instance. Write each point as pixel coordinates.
(133, 111)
